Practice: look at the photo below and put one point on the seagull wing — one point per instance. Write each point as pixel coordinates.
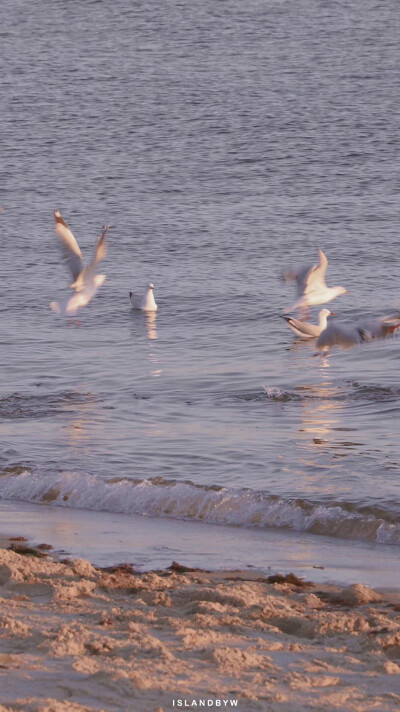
(308, 278)
(315, 279)
(298, 275)
(86, 276)
(70, 248)
(101, 247)
(302, 328)
(337, 334)
(136, 300)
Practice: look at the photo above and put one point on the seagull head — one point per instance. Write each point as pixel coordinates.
(150, 285)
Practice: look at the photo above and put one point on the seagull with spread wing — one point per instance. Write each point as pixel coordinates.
(340, 334)
(311, 286)
(346, 335)
(86, 281)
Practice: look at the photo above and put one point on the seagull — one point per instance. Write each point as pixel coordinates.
(311, 286)
(346, 336)
(85, 280)
(146, 302)
(308, 331)
(380, 328)
(337, 334)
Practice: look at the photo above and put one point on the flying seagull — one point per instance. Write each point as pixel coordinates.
(311, 286)
(339, 334)
(348, 335)
(86, 281)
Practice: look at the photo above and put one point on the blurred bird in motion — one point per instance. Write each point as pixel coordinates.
(311, 286)
(340, 334)
(86, 281)
(379, 328)
(348, 335)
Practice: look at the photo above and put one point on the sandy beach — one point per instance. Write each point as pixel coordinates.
(75, 637)
(182, 184)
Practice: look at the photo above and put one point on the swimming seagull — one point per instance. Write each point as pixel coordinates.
(308, 331)
(146, 302)
(311, 286)
(85, 280)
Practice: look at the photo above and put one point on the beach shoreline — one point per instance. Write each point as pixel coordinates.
(79, 637)
(107, 538)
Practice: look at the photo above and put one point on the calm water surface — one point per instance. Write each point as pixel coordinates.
(223, 142)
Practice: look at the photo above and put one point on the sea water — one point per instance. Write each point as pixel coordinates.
(224, 142)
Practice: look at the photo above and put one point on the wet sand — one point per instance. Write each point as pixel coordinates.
(76, 637)
(106, 538)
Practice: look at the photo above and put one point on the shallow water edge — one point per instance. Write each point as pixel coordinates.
(152, 543)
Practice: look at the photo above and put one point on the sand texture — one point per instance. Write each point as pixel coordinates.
(77, 638)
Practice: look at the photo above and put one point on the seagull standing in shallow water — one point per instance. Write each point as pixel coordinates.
(311, 286)
(308, 331)
(146, 302)
(85, 279)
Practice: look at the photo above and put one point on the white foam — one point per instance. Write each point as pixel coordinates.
(274, 392)
(185, 500)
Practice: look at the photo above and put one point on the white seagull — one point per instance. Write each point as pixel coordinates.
(311, 286)
(85, 280)
(146, 301)
(337, 334)
(346, 336)
(308, 331)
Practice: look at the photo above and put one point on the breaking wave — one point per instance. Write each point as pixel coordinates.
(211, 504)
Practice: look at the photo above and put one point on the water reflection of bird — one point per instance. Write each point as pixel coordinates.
(320, 418)
(76, 428)
(304, 330)
(311, 286)
(319, 413)
(151, 326)
(86, 281)
(146, 301)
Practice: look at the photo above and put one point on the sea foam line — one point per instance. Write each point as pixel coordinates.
(185, 500)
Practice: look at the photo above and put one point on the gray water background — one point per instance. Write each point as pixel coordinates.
(223, 141)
